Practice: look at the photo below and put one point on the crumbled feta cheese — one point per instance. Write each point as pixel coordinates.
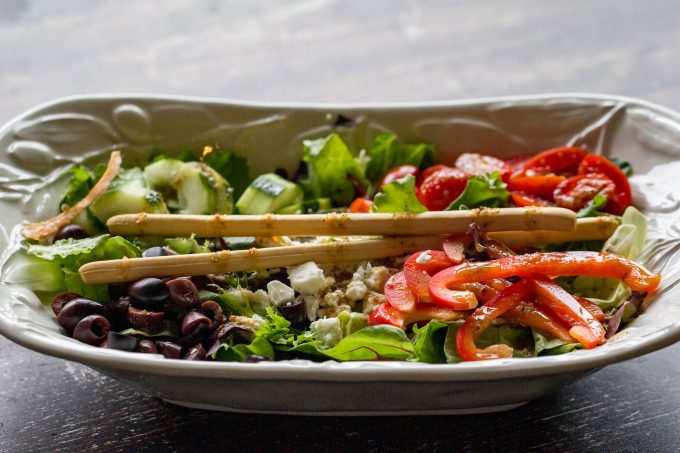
(260, 297)
(376, 278)
(356, 289)
(371, 302)
(332, 305)
(307, 279)
(424, 257)
(327, 331)
(312, 306)
(280, 293)
(257, 321)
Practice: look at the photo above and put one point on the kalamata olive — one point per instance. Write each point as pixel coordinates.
(195, 353)
(71, 232)
(193, 321)
(75, 310)
(257, 358)
(295, 312)
(232, 333)
(153, 251)
(122, 342)
(183, 293)
(149, 293)
(104, 344)
(169, 349)
(213, 311)
(147, 320)
(146, 347)
(62, 299)
(118, 309)
(201, 282)
(92, 329)
(117, 290)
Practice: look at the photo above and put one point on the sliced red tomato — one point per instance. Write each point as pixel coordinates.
(440, 188)
(473, 164)
(584, 327)
(523, 199)
(560, 160)
(539, 185)
(429, 171)
(418, 268)
(387, 314)
(398, 173)
(575, 192)
(591, 264)
(622, 198)
(478, 321)
(398, 293)
(360, 205)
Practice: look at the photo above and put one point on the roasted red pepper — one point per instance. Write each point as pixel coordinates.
(387, 314)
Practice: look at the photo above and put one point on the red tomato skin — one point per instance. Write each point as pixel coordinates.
(575, 192)
(428, 171)
(565, 159)
(523, 199)
(473, 164)
(398, 293)
(542, 186)
(361, 205)
(594, 163)
(398, 173)
(440, 188)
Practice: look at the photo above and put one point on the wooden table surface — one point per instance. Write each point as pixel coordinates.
(335, 51)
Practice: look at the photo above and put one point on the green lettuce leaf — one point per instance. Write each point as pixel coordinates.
(428, 342)
(380, 342)
(331, 167)
(81, 182)
(592, 209)
(186, 246)
(386, 153)
(398, 196)
(487, 191)
(239, 352)
(625, 166)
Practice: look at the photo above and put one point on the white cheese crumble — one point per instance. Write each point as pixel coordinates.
(280, 293)
(307, 279)
(327, 331)
(424, 257)
(312, 306)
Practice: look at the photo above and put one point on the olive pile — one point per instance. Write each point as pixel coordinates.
(153, 306)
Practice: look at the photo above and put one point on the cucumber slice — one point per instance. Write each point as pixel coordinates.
(308, 207)
(268, 193)
(196, 187)
(129, 193)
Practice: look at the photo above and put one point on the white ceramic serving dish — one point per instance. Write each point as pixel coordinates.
(38, 145)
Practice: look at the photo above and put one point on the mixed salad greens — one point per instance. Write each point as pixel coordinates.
(473, 299)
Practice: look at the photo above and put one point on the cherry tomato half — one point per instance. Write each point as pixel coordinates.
(440, 188)
(575, 192)
(473, 164)
(522, 199)
(398, 173)
(593, 163)
(428, 171)
(360, 205)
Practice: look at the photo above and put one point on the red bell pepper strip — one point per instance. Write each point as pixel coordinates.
(522, 200)
(591, 264)
(557, 160)
(398, 293)
(417, 270)
(387, 314)
(540, 185)
(584, 327)
(482, 317)
(592, 307)
(531, 315)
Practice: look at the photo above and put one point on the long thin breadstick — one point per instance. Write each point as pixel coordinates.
(589, 229)
(343, 224)
(334, 252)
(125, 270)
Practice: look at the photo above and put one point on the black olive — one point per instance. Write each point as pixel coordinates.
(117, 290)
(147, 320)
(122, 342)
(153, 251)
(77, 309)
(213, 311)
(148, 293)
(146, 347)
(295, 312)
(71, 232)
(118, 308)
(202, 282)
(195, 353)
(183, 293)
(62, 299)
(92, 329)
(169, 349)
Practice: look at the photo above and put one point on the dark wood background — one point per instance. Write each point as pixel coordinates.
(335, 51)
